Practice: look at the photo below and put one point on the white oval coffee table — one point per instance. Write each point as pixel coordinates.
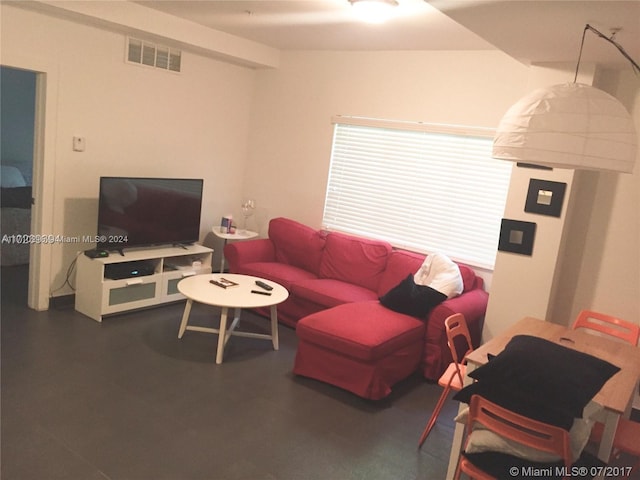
(199, 289)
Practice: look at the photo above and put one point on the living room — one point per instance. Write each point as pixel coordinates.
(266, 132)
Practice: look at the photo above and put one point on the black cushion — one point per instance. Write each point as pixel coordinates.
(548, 372)
(412, 299)
(533, 373)
(516, 401)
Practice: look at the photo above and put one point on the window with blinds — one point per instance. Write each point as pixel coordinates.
(422, 187)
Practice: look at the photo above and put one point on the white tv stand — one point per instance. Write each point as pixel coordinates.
(97, 295)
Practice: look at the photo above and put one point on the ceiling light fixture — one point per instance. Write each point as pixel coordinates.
(571, 125)
(373, 11)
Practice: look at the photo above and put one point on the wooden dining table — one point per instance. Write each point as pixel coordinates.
(612, 401)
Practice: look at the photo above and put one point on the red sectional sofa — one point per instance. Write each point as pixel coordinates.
(346, 336)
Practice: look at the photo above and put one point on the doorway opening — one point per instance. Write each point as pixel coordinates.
(42, 78)
(17, 130)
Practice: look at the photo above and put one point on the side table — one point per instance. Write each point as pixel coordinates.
(238, 235)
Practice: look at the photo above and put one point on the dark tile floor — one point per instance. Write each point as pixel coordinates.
(125, 399)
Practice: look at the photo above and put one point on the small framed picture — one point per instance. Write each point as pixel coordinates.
(545, 197)
(517, 236)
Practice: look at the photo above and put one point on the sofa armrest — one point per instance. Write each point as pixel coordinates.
(473, 305)
(249, 251)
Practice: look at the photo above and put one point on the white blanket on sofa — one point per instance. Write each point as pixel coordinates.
(440, 273)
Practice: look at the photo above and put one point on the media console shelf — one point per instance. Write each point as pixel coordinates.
(97, 295)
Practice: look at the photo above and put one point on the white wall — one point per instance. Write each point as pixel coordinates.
(291, 139)
(137, 121)
(601, 267)
(526, 285)
(291, 131)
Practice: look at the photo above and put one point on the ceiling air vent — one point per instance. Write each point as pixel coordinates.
(152, 55)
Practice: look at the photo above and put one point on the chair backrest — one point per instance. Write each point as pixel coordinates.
(457, 329)
(608, 325)
(518, 428)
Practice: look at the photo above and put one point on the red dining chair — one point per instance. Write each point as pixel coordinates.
(608, 325)
(627, 436)
(626, 439)
(453, 377)
(514, 427)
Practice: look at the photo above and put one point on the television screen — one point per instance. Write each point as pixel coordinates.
(135, 212)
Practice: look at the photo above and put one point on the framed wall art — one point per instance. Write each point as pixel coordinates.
(517, 236)
(545, 197)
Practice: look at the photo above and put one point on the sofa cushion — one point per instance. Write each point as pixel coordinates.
(354, 260)
(469, 277)
(297, 244)
(440, 273)
(403, 262)
(400, 264)
(364, 330)
(412, 299)
(329, 292)
(285, 275)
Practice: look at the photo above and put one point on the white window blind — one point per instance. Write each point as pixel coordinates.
(419, 187)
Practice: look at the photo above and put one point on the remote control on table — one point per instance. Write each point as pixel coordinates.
(260, 292)
(261, 284)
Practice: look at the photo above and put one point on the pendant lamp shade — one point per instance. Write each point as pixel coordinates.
(570, 125)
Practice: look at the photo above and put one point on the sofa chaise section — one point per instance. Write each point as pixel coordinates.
(359, 347)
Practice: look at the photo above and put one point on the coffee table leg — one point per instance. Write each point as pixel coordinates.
(185, 317)
(222, 334)
(234, 324)
(274, 327)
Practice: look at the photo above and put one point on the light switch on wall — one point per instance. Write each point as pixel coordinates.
(78, 144)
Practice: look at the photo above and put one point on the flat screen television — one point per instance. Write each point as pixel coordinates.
(138, 212)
